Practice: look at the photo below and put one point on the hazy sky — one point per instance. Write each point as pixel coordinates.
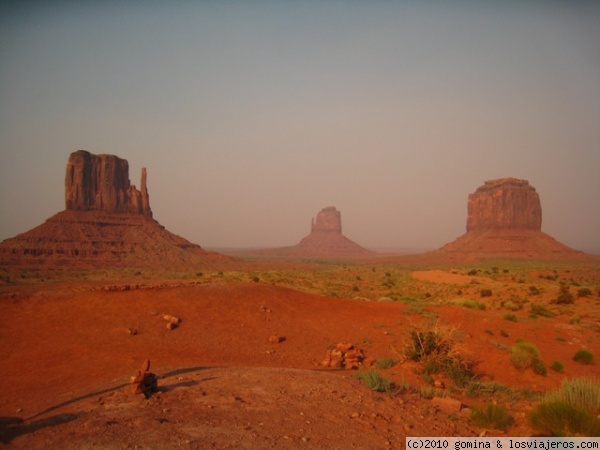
(251, 116)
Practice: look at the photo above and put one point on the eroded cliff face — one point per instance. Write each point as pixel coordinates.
(101, 183)
(329, 219)
(506, 203)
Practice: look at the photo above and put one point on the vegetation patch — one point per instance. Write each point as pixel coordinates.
(472, 304)
(374, 381)
(563, 419)
(439, 350)
(540, 310)
(525, 355)
(584, 357)
(492, 416)
(385, 363)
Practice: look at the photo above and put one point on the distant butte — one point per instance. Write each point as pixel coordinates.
(107, 222)
(504, 219)
(324, 241)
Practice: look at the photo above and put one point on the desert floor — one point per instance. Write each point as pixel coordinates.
(70, 342)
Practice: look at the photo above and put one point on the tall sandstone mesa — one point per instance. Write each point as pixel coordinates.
(504, 219)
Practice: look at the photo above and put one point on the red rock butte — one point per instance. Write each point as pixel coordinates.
(107, 222)
(324, 241)
(504, 219)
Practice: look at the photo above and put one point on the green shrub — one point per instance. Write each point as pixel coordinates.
(584, 357)
(534, 290)
(525, 355)
(540, 310)
(504, 333)
(491, 416)
(564, 296)
(472, 304)
(374, 381)
(563, 419)
(510, 317)
(510, 305)
(486, 293)
(538, 366)
(557, 366)
(584, 292)
(582, 393)
(385, 363)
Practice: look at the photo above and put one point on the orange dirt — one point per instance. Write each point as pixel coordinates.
(68, 352)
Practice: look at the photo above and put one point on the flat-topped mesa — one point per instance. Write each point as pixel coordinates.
(101, 183)
(329, 219)
(506, 203)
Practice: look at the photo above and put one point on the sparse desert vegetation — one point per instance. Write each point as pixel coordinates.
(429, 337)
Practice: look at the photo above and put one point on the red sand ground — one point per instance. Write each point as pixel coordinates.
(67, 358)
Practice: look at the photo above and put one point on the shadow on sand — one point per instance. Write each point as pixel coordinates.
(12, 427)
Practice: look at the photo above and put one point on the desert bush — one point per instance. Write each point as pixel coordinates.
(534, 290)
(510, 305)
(584, 357)
(485, 293)
(564, 295)
(540, 310)
(374, 381)
(584, 292)
(582, 393)
(492, 416)
(472, 304)
(525, 355)
(504, 333)
(510, 317)
(557, 366)
(438, 348)
(563, 419)
(385, 363)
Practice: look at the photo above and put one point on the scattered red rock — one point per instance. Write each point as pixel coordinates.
(276, 339)
(346, 356)
(171, 319)
(145, 382)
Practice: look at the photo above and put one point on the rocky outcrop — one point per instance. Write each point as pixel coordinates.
(504, 220)
(101, 183)
(507, 203)
(107, 223)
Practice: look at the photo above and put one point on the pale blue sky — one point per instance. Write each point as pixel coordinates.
(251, 116)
